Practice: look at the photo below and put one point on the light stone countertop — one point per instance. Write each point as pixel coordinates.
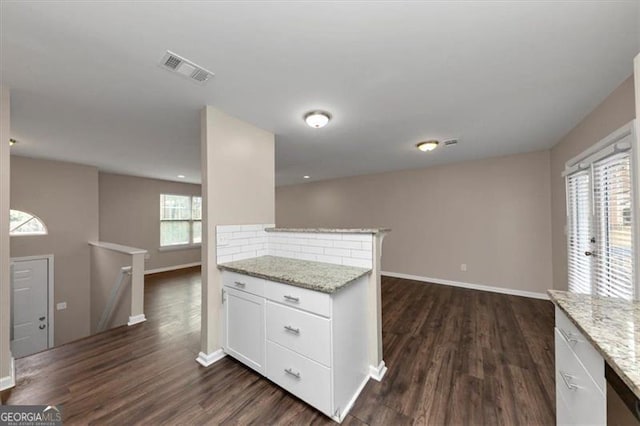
(613, 327)
(332, 230)
(318, 276)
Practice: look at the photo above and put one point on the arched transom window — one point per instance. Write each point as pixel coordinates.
(23, 223)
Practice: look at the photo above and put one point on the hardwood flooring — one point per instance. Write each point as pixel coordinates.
(455, 356)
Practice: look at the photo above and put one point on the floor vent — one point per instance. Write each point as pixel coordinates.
(179, 65)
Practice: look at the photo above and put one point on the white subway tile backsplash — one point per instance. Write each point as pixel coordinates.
(320, 243)
(337, 252)
(348, 244)
(361, 254)
(329, 259)
(360, 263)
(357, 237)
(307, 256)
(247, 241)
(311, 249)
(244, 234)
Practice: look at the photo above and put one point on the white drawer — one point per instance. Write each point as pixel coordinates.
(297, 297)
(586, 353)
(306, 379)
(242, 282)
(302, 332)
(575, 389)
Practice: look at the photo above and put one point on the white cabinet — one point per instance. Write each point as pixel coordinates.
(580, 382)
(243, 328)
(310, 343)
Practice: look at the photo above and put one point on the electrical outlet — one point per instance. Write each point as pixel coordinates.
(463, 267)
(62, 305)
(223, 239)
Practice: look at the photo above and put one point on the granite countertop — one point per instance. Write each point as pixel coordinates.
(332, 230)
(319, 276)
(613, 327)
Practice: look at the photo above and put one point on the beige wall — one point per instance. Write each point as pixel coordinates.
(615, 111)
(65, 197)
(130, 215)
(492, 215)
(5, 131)
(238, 185)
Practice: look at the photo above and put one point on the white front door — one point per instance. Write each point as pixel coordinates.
(30, 301)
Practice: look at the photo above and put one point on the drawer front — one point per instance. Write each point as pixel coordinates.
(306, 379)
(586, 353)
(242, 282)
(575, 390)
(301, 298)
(302, 332)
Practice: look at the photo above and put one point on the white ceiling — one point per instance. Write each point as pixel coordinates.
(505, 77)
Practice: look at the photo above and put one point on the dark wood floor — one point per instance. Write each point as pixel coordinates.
(455, 356)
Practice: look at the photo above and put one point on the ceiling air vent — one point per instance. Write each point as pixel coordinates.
(450, 142)
(184, 67)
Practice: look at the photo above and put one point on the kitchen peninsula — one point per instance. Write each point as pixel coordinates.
(302, 308)
(597, 340)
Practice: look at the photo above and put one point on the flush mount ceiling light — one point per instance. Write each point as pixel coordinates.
(12, 142)
(427, 146)
(317, 119)
(180, 176)
(306, 177)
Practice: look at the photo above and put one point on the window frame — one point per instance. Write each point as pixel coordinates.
(191, 221)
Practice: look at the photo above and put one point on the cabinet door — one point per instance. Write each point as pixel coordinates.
(243, 328)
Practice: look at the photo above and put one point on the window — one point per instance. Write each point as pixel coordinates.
(23, 223)
(600, 231)
(180, 220)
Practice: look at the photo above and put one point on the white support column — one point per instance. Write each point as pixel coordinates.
(7, 372)
(238, 187)
(377, 366)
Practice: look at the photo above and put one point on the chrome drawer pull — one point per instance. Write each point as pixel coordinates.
(566, 378)
(291, 329)
(292, 373)
(291, 298)
(240, 284)
(568, 336)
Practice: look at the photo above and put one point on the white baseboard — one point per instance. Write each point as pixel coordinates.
(377, 373)
(172, 268)
(9, 381)
(208, 359)
(136, 319)
(482, 287)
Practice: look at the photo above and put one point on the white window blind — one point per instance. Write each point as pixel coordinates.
(579, 231)
(613, 256)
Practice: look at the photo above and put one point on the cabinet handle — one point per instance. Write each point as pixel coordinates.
(240, 284)
(566, 378)
(42, 326)
(42, 318)
(291, 298)
(292, 373)
(291, 329)
(568, 336)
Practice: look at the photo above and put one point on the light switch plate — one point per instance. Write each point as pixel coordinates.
(62, 305)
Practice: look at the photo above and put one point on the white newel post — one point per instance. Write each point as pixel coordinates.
(137, 289)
